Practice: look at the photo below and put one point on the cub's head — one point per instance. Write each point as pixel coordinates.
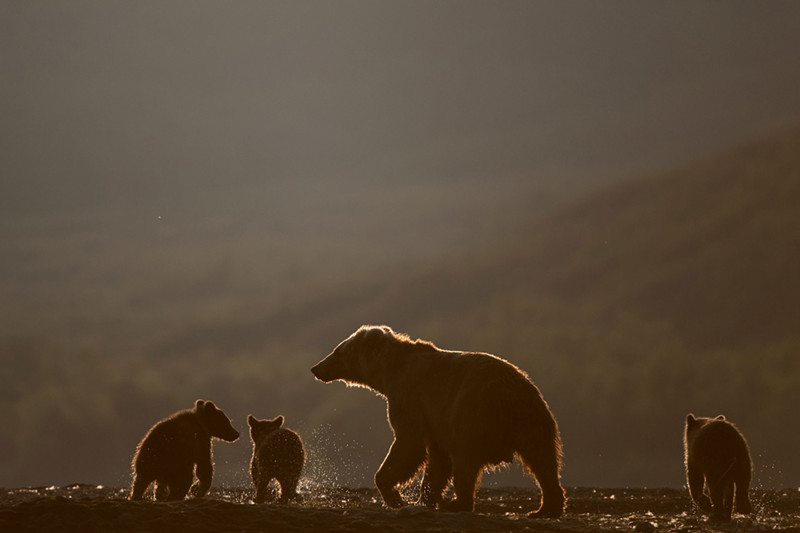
(215, 421)
(693, 423)
(352, 361)
(262, 428)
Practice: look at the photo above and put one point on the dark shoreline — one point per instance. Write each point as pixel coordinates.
(82, 507)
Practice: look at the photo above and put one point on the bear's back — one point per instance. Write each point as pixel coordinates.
(171, 440)
(718, 442)
(282, 446)
(446, 364)
(489, 383)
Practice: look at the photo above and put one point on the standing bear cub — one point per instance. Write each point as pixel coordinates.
(278, 453)
(453, 413)
(717, 455)
(175, 448)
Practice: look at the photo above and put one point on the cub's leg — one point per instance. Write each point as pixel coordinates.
(179, 487)
(288, 488)
(743, 504)
(696, 481)
(263, 492)
(721, 500)
(139, 486)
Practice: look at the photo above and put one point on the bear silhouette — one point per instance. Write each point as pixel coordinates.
(453, 413)
(178, 447)
(278, 454)
(717, 456)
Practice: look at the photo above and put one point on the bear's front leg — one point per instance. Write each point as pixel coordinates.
(205, 473)
(400, 465)
(438, 472)
(139, 487)
(465, 481)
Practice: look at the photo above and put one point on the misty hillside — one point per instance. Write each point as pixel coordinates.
(710, 250)
(629, 308)
(713, 248)
(642, 302)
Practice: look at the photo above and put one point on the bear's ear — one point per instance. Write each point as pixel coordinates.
(720, 417)
(278, 421)
(199, 404)
(690, 419)
(376, 334)
(251, 420)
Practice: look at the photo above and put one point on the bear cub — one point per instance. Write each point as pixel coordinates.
(278, 453)
(177, 448)
(717, 456)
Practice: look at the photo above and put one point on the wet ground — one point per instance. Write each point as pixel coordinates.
(95, 508)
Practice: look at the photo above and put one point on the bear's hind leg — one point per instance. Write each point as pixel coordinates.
(178, 487)
(742, 498)
(545, 471)
(399, 466)
(288, 488)
(727, 499)
(263, 491)
(696, 481)
(161, 491)
(721, 501)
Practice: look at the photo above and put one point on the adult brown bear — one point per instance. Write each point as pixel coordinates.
(456, 413)
(717, 455)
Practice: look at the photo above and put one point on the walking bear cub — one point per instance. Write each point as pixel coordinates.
(717, 456)
(178, 447)
(278, 453)
(453, 413)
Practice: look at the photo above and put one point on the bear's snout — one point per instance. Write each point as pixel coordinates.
(317, 371)
(321, 372)
(231, 436)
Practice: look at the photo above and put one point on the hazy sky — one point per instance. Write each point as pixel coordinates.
(112, 103)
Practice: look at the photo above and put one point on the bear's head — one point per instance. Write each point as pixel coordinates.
(215, 421)
(355, 359)
(693, 423)
(262, 428)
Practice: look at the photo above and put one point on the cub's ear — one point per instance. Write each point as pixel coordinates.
(720, 417)
(278, 421)
(690, 419)
(199, 404)
(251, 420)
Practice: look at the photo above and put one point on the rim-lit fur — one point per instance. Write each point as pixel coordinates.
(455, 413)
(717, 457)
(177, 448)
(278, 454)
